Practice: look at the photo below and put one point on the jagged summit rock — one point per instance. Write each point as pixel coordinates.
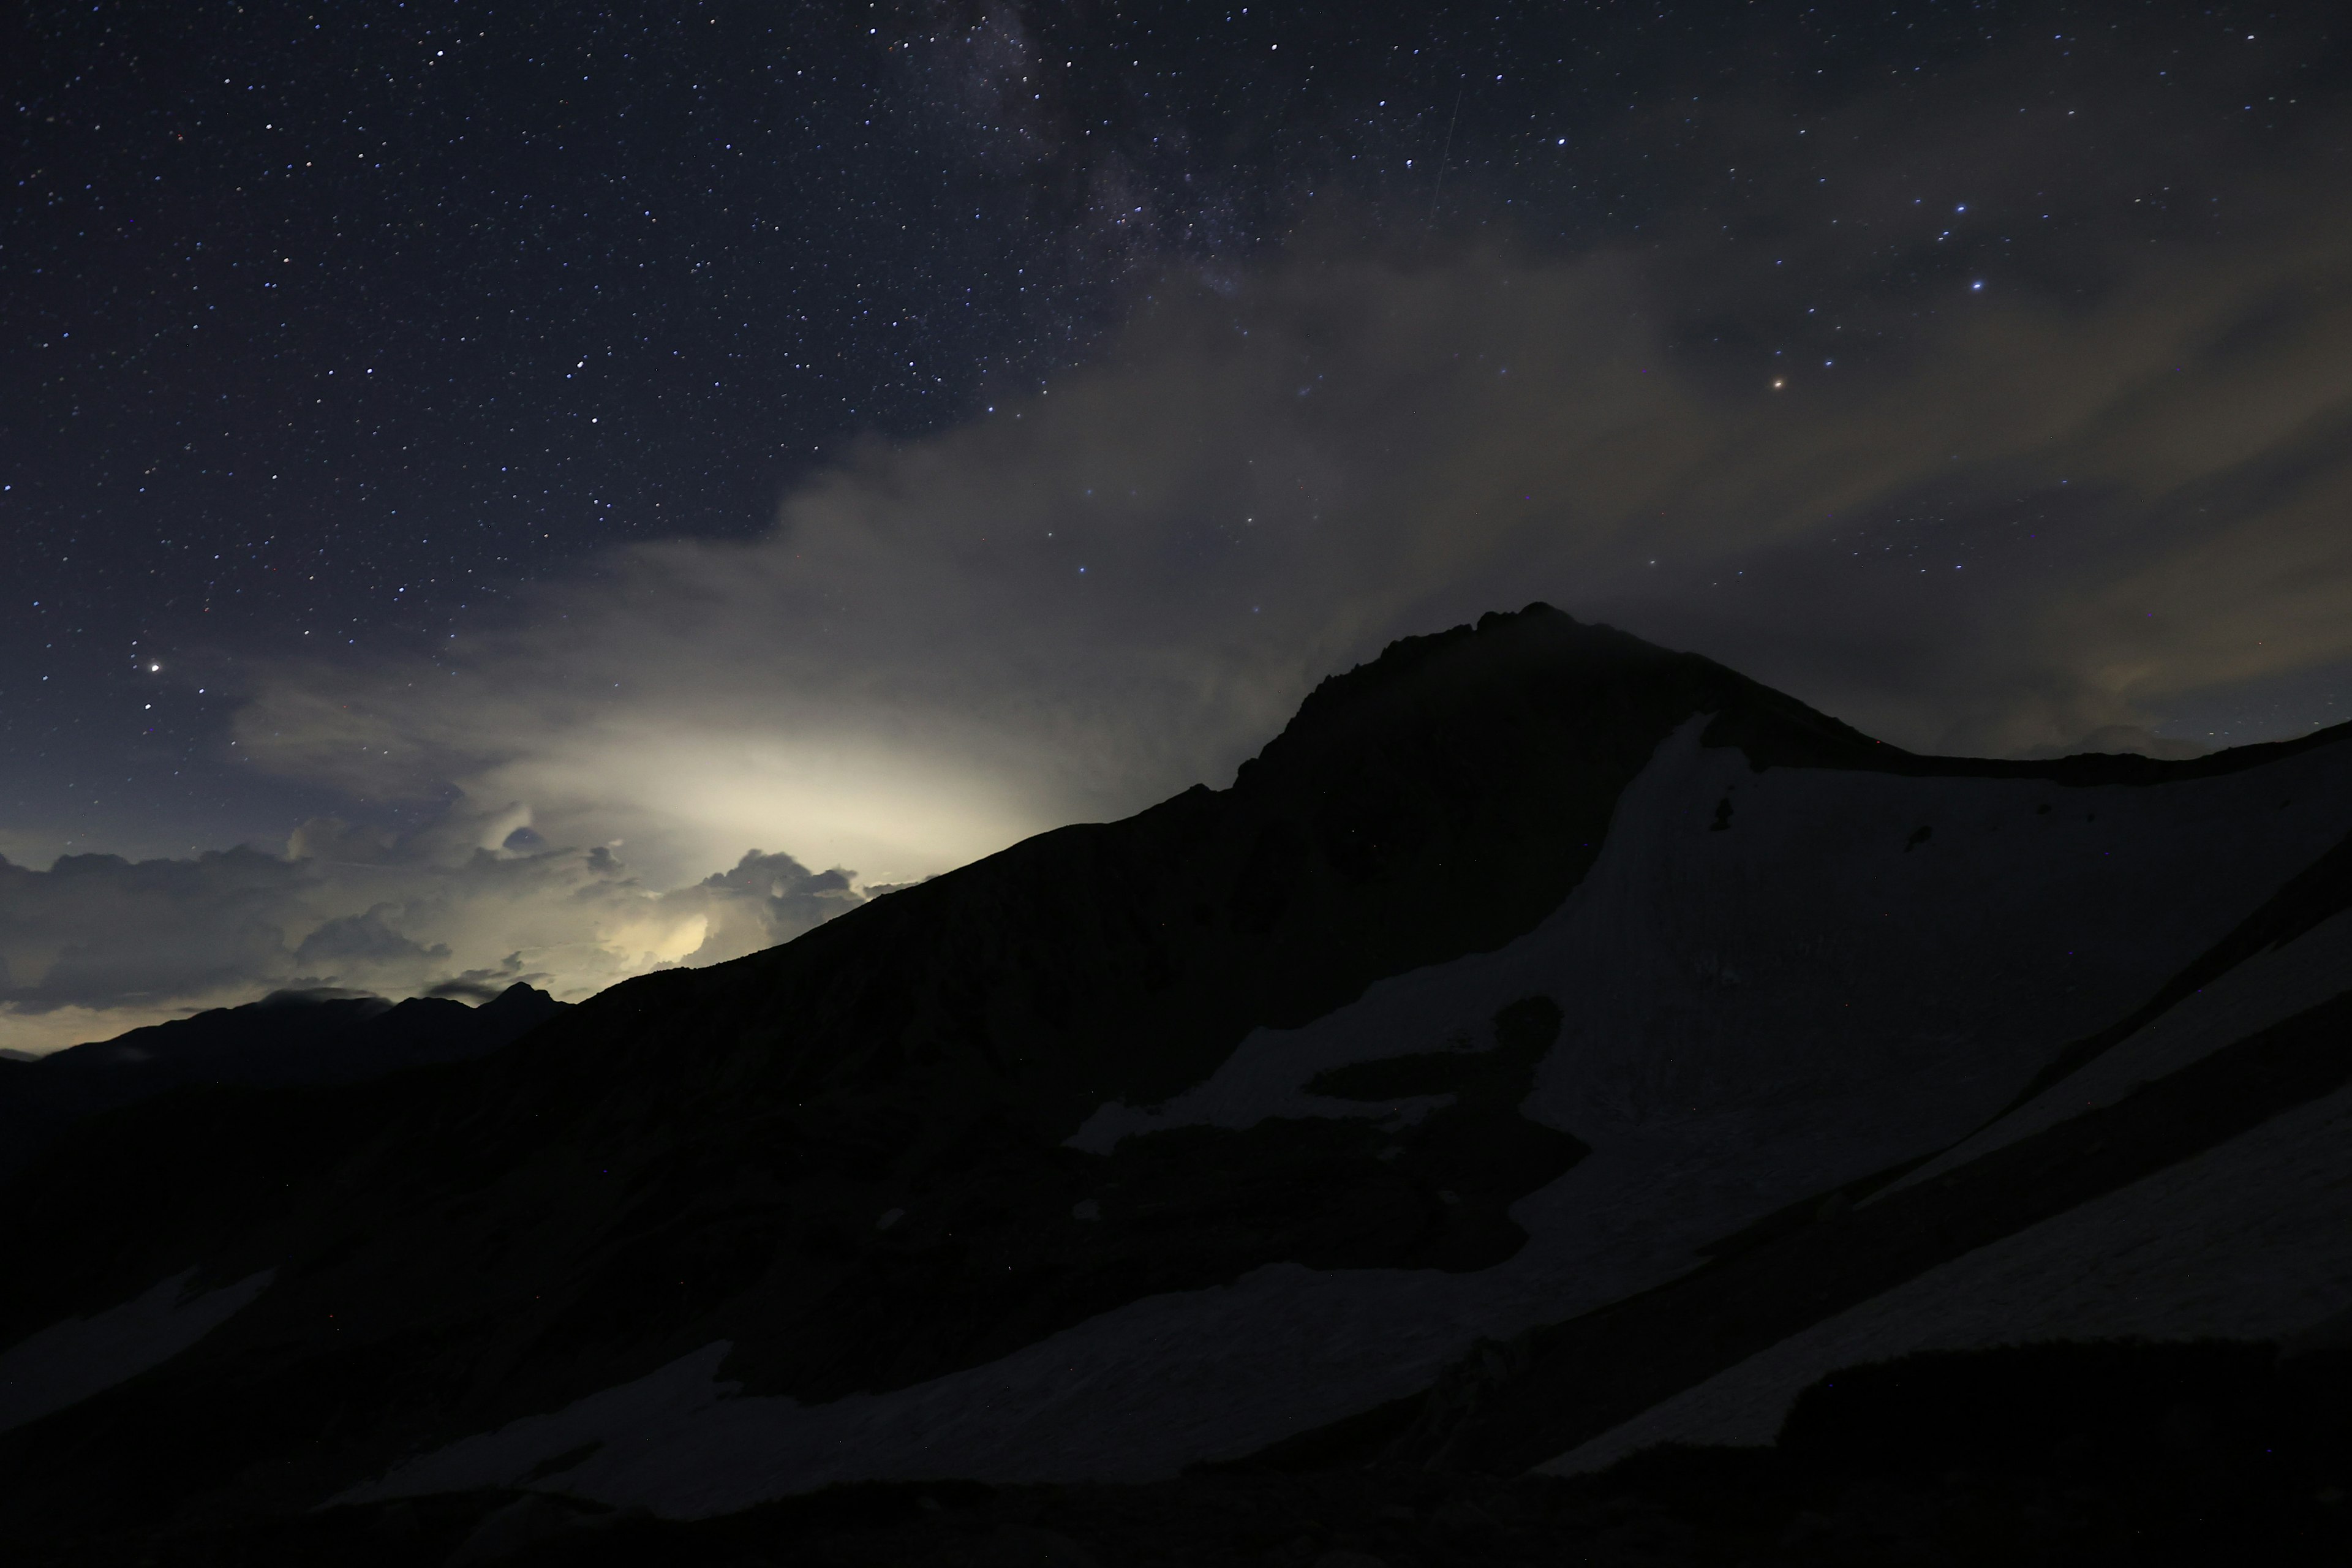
(1536, 985)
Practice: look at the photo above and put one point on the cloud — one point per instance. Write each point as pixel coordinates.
(364, 940)
(2033, 523)
(96, 929)
(97, 944)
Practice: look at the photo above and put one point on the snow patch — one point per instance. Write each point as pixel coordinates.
(635, 1416)
(1133, 1394)
(1239, 1105)
(67, 1362)
(1817, 947)
(2252, 1239)
(2269, 988)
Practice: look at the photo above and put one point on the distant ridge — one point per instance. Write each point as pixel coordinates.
(287, 1037)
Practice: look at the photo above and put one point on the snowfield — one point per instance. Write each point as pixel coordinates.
(2248, 1240)
(67, 1362)
(1753, 1015)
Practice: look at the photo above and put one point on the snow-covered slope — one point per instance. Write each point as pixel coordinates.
(2249, 1240)
(1752, 1013)
(2275, 984)
(68, 1361)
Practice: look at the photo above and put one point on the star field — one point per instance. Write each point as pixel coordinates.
(330, 331)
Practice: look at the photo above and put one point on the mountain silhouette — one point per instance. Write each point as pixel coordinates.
(1550, 1045)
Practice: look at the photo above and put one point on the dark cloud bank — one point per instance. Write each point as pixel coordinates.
(1858, 423)
(97, 944)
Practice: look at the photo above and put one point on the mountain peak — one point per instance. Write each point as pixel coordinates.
(1435, 668)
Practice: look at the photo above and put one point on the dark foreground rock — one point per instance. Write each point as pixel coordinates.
(2209, 1453)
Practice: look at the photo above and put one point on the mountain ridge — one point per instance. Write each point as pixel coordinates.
(287, 1037)
(851, 1157)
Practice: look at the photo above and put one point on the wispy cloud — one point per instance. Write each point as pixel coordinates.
(2035, 528)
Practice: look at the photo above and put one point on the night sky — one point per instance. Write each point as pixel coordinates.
(503, 466)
